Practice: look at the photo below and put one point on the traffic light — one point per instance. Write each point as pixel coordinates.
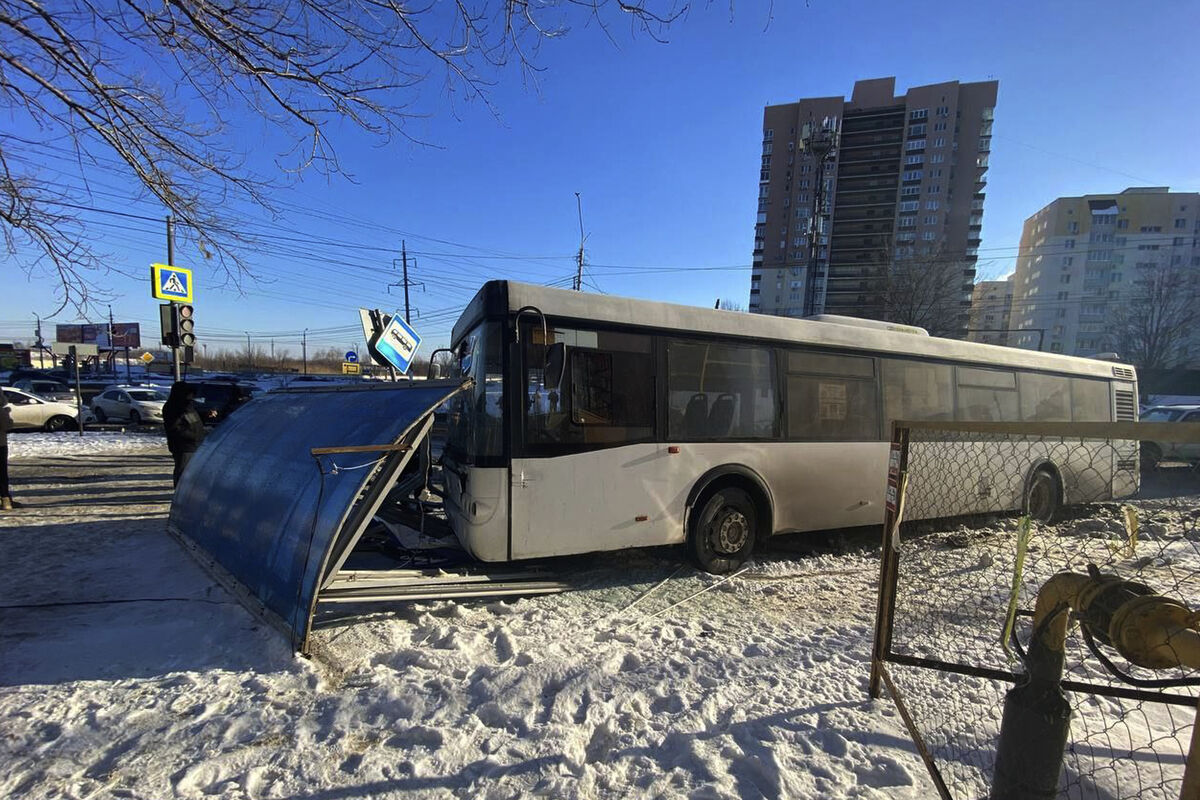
(178, 324)
(185, 324)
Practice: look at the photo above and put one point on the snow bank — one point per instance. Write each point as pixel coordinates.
(28, 445)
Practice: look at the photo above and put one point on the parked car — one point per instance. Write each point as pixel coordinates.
(30, 412)
(223, 397)
(1155, 452)
(47, 388)
(137, 404)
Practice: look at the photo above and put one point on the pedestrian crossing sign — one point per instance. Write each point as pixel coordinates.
(171, 283)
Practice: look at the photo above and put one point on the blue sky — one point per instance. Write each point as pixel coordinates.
(663, 143)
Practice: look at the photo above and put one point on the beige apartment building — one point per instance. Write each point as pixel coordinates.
(991, 308)
(1088, 263)
(901, 198)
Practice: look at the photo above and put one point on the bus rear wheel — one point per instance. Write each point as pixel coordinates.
(721, 535)
(1041, 496)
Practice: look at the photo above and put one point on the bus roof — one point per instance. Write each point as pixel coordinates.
(506, 297)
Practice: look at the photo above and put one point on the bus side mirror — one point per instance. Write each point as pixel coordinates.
(556, 359)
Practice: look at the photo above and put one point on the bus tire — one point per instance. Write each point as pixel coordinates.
(1042, 496)
(721, 534)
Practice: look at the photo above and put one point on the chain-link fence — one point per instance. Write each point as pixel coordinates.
(980, 518)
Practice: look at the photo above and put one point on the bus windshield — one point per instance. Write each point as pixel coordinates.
(476, 416)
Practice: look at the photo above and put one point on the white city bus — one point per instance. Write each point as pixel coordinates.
(598, 422)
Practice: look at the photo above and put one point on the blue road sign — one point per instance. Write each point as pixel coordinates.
(398, 343)
(171, 283)
(351, 356)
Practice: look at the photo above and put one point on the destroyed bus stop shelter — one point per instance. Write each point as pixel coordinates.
(276, 498)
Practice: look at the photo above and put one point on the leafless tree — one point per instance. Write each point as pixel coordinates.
(163, 89)
(926, 287)
(1154, 323)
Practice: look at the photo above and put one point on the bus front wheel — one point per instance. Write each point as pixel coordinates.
(722, 532)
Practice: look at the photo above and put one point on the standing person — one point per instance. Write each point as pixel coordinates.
(6, 502)
(184, 425)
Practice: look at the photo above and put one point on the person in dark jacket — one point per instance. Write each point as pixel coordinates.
(6, 501)
(184, 425)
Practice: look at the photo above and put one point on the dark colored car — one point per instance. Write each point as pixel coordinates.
(221, 396)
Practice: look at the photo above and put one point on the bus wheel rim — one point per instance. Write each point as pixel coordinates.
(732, 532)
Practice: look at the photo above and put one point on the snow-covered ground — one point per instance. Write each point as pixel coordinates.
(126, 672)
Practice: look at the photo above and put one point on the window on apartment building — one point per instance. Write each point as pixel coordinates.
(768, 134)
(935, 173)
(804, 184)
(935, 189)
(1069, 244)
(929, 236)
(1068, 261)
(917, 159)
(943, 111)
(937, 158)
(916, 130)
(1065, 279)
(913, 175)
(1122, 224)
(1063, 295)
(906, 222)
(910, 205)
(939, 141)
(931, 205)
(805, 169)
(939, 126)
(918, 113)
(1062, 312)
(909, 191)
(767, 149)
(915, 144)
(1073, 226)
(1151, 229)
(1116, 277)
(1181, 223)
(930, 219)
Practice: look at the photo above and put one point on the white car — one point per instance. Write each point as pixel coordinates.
(137, 404)
(30, 412)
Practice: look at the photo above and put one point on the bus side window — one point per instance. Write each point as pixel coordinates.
(720, 391)
(986, 395)
(1045, 398)
(916, 390)
(831, 398)
(1090, 400)
(606, 395)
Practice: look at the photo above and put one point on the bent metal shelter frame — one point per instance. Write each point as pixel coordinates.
(269, 504)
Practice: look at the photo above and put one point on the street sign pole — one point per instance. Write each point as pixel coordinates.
(171, 260)
(78, 388)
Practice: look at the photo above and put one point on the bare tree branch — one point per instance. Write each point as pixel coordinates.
(156, 84)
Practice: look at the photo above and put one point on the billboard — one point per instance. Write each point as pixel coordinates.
(124, 334)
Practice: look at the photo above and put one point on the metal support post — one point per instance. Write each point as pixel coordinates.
(175, 366)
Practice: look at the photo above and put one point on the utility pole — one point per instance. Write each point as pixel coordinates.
(112, 346)
(171, 262)
(304, 350)
(249, 352)
(578, 284)
(41, 345)
(404, 260)
(272, 350)
(822, 144)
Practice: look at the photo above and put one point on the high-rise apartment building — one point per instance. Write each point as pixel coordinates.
(991, 310)
(896, 201)
(1095, 270)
